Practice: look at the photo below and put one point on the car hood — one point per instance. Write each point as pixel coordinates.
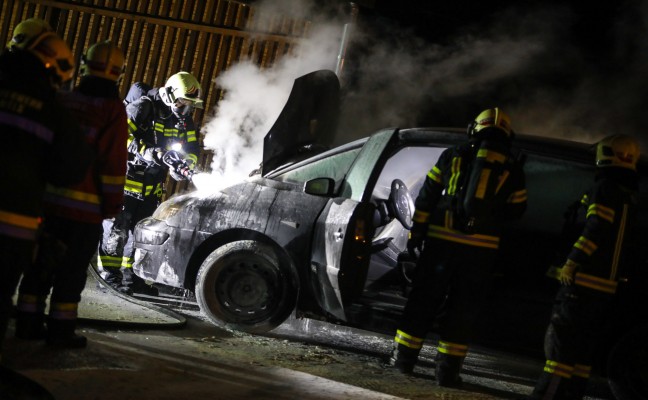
(308, 121)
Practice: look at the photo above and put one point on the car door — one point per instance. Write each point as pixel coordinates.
(343, 232)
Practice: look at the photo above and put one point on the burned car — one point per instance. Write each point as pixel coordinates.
(323, 233)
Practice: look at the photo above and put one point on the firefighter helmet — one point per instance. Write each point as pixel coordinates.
(104, 60)
(491, 118)
(618, 151)
(27, 31)
(182, 92)
(55, 55)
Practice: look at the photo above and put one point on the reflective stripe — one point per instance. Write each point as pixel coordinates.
(435, 174)
(600, 210)
(595, 282)
(406, 340)
(488, 241)
(127, 262)
(482, 185)
(558, 369)
(192, 157)
(133, 186)
(453, 349)
(585, 245)
(74, 194)
(619, 242)
(31, 303)
(33, 127)
(191, 136)
(63, 311)
(502, 179)
(518, 197)
(18, 225)
(420, 216)
(582, 371)
(491, 156)
(454, 177)
(109, 261)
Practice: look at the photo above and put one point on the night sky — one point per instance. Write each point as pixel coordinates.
(560, 68)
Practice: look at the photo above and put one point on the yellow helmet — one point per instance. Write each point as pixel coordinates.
(491, 118)
(27, 31)
(618, 151)
(182, 88)
(104, 60)
(55, 55)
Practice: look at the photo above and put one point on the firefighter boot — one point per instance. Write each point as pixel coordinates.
(114, 278)
(447, 370)
(551, 387)
(60, 333)
(403, 358)
(30, 326)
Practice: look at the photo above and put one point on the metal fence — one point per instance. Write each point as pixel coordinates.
(162, 37)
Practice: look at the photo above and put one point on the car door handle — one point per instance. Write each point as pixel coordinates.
(338, 235)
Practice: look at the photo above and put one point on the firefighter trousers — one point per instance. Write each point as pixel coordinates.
(65, 250)
(578, 318)
(448, 287)
(17, 255)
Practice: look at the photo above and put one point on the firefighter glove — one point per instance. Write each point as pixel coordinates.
(416, 236)
(566, 275)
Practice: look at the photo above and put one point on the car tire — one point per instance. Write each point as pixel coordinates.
(245, 286)
(627, 366)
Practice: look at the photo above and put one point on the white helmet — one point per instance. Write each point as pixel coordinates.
(182, 93)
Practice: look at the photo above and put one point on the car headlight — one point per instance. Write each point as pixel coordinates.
(168, 210)
(151, 237)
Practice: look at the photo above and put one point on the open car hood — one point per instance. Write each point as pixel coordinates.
(308, 121)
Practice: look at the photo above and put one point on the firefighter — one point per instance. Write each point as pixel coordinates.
(46, 146)
(590, 274)
(160, 125)
(459, 213)
(74, 213)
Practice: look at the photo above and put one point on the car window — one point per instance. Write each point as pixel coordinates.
(553, 185)
(410, 165)
(335, 167)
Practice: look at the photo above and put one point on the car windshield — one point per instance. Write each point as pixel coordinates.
(335, 167)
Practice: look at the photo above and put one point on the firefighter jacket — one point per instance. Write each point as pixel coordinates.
(153, 129)
(607, 238)
(97, 106)
(44, 143)
(152, 125)
(472, 189)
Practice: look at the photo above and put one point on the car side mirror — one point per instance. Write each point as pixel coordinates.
(320, 187)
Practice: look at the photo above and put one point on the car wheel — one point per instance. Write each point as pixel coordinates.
(627, 367)
(244, 286)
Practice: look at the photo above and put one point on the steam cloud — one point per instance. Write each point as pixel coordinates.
(524, 61)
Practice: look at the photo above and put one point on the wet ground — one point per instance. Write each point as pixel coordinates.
(138, 351)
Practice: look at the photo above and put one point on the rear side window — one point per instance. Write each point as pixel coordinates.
(335, 167)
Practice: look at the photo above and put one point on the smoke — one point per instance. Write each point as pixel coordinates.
(538, 64)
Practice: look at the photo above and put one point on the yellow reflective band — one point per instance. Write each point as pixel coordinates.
(619, 242)
(191, 136)
(435, 174)
(517, 197)
(584, 200)
(74, 194)
(113, 180)
(420, 216)
(582, 371)
(65, 306)
(406, 340)
(127, 262)
(19, 220)
(585, 245)
(595, 282)
(491, 156)
(30, 298)
(502, 179)
(454, 177)
(453, 349)
(449, 219)
(109, 261)
(600, 210)
(482, 185)
(131, 128)
(558, 369)
(488, 241)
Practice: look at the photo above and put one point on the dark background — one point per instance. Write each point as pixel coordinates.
(560, 68)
